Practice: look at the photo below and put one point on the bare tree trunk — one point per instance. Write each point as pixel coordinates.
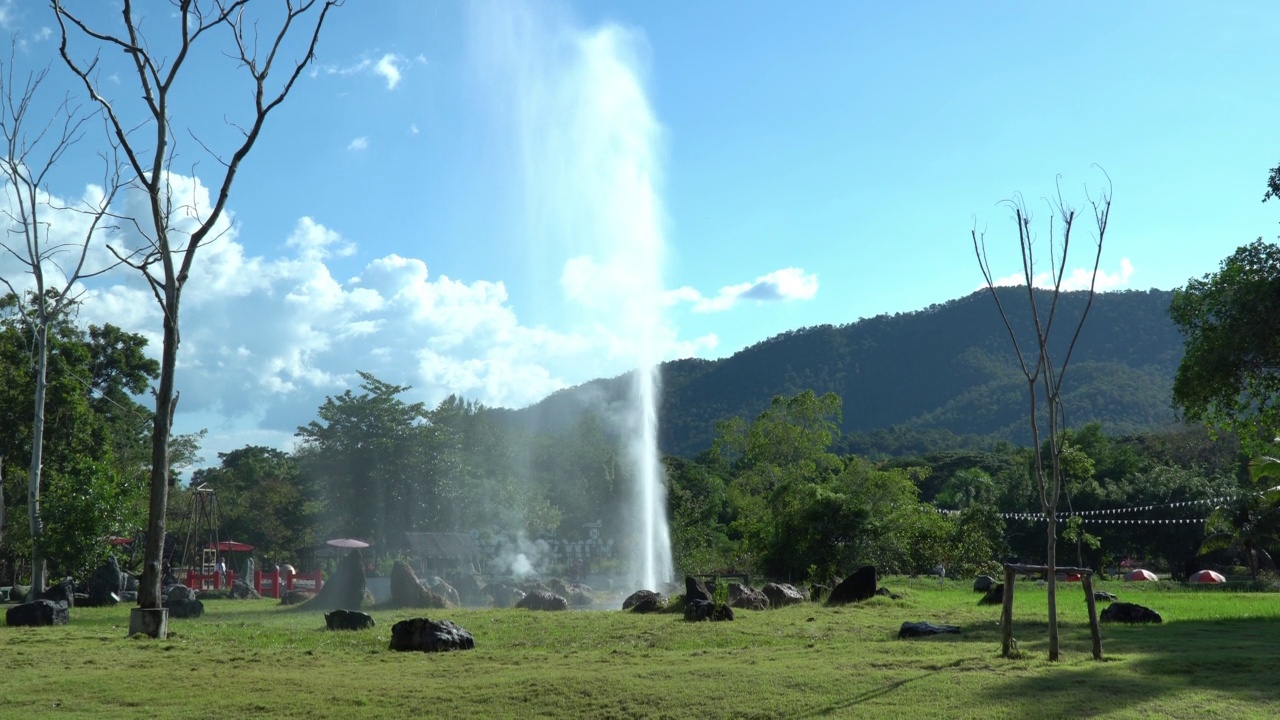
(37, 456)
(1051, 550)
(149, 585)
(3, 518)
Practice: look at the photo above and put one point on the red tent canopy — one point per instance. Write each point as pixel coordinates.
(1141, 575)
(1207, 576)
(233, 546)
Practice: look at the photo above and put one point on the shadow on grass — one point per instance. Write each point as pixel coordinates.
(1233, 657)
(875, 693)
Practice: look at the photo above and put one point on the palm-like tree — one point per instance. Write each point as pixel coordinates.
(1250, 523)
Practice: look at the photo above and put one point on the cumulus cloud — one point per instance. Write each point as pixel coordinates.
(265, 337)
(785, 284)
(360, 143)
(1076, 279)
(388, 67)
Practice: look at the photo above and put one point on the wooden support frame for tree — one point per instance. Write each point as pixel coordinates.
(1006, 618)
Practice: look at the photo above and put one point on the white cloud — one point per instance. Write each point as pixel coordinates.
(1077, 279)
(360, 143)
(388, 67)
(785, 284)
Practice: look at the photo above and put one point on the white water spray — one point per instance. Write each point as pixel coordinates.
(590, 146)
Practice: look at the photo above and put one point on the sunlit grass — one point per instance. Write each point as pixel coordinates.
(1215, 655)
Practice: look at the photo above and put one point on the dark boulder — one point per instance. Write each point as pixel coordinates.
(296, 597)
(345, 589)
(540, 600)
(62, 592)
(18, 593)
(348, 620)
(1101, 596)
(747, 597)
(1129, 613)
(409, 592)
(994, 596)
(105, 584)
(782, 594)
(504, 596)
(886, 592)
(922, 629)
(644, 601)
(818, 592)
(983, 583)
(241, 590)
(699, 610)
(423, 635)
(859, 586)
(37, 613)
(694, 589)
(184, 608)
(179, 593)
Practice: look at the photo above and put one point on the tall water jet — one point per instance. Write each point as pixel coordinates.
(590, 147)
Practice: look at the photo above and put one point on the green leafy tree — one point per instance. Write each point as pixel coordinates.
(263, 500)
(376, 462)
(1229, 376)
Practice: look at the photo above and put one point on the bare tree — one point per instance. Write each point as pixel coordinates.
(55, 264)
(149, 148)
(1045, 376)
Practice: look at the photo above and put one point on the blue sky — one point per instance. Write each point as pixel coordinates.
(460, 196)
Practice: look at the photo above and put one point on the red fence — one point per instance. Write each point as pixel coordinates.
(268, 584)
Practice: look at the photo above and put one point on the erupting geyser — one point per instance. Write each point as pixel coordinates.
(590, 146)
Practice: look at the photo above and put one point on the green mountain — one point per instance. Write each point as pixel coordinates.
(949, 370)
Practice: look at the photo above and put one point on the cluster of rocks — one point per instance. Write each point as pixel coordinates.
(645, 601)
(182, 602)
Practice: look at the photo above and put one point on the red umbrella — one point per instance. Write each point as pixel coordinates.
(348, 543)
(233, 546)
(1140, 575)
(1207, 576)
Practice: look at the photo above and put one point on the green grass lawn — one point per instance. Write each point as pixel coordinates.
(1216, 655)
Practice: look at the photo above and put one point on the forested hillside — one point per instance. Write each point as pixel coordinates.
(948, 370)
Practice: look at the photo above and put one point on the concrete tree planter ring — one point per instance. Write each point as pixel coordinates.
(152, 622)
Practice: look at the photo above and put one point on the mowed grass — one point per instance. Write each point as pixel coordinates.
(1216, 655)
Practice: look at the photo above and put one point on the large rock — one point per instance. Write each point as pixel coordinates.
(409, 592)
(179, 593)
(542, 600)
(695, 590)
(859, 586)
(1129, 613)
(819, 592)
(1100, 596)
(470, 589)
(922, 629)
(644, 601)
(184, 608)
(699, 610)
(504, 596)
(296, 597)
(983, 583)
(37, 613)
(782, 594)
(423, 635)
(345, 589)
(348, 620)
(578, 597)
(994, 596)
(241, 590)
(105, 584)
(438, 586)
(747, 597)
(62, 592)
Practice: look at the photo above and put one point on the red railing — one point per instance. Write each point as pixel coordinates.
(268, 584)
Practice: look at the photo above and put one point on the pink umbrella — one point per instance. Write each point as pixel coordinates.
(1140, 575)
(347, 543)
(1207, 576)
